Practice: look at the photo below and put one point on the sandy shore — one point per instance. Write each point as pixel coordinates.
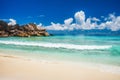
(19, 68)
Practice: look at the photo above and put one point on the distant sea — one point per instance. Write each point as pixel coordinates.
(86, 49)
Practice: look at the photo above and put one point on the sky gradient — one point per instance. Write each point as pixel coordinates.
(47, 11)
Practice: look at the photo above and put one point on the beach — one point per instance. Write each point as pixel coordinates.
(59, 40)
(14, 67)
(60, 58)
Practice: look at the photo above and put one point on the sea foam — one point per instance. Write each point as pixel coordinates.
(58, 45)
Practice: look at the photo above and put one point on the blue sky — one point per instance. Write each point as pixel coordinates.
(47, 11)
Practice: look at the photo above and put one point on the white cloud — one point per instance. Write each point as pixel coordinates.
(87, 24)
(111, 16)
(81, 23)
(80, 17)
(95, 19)
(112, 22)
(39, 25)
(68, 21)
(54, 26)
(12, 22)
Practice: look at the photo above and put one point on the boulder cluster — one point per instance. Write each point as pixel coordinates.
(27, 30)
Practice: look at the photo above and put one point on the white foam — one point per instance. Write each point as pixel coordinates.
(58, 45)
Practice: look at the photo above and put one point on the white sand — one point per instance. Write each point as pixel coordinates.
(19, 68)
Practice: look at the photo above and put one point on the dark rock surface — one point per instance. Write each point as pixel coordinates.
(21, 31)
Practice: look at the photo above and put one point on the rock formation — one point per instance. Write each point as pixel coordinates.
(21, 31)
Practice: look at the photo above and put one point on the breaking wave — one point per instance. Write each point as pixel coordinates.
(58, 45)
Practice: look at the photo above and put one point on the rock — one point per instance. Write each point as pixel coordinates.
(34, 26)
(46, 34)
(3, 34)
(21, 31)
(21, 34)
(3, 25)
(30, 27)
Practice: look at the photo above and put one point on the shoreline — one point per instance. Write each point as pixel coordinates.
(14, 67)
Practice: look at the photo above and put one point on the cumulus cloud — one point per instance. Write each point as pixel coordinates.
(95, 19)
(54, 26)
(68, 21)
(80, 22)
(12, 22)
(80, 17)
(111, 22)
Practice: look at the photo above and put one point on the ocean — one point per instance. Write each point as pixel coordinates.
(103, 50)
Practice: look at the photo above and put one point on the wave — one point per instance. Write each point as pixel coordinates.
(58, 45)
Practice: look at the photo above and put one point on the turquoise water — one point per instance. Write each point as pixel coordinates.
(92, 49)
